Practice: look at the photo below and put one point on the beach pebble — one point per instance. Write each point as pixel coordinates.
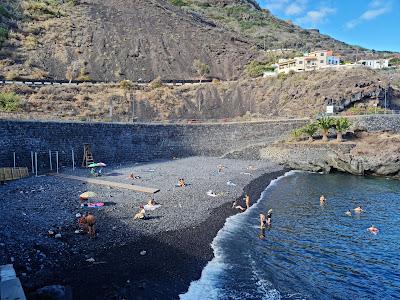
(143, 252)
(90, 259)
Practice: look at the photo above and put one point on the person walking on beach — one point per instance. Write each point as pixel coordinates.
(90, 221)
(247, 203)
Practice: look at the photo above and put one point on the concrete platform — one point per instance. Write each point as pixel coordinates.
(10, 285)
(136, 188)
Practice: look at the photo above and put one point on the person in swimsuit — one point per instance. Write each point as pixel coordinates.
(348, 213)
(262, 221)
(181, 182)
(373, 229)
(141, 215)
(269, 216)
(322, 200)
(247, 201)
(90, 221)
(358, 209)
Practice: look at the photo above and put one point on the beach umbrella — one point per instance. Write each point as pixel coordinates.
(92, 165)
(87, 195)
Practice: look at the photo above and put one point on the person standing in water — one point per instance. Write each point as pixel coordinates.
(247, 201)
(269, 216)
(262, 221)
(322, 200)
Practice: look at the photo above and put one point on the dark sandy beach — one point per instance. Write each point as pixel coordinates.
(176, 238)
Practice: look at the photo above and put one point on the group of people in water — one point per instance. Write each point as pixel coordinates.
(358, 210)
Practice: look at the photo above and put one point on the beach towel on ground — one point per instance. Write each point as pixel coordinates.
(151, 207)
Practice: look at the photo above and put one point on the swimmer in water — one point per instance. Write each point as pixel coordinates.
(261, 236)
(262, 221)
(358, 209)
(348, 213)
(373, 229)
(322, 200)
(269, 216)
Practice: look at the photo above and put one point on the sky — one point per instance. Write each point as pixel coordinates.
(373, 24)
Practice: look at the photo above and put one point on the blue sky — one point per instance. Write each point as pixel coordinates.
(374, 24)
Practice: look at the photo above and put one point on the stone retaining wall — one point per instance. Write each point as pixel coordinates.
(115, 143)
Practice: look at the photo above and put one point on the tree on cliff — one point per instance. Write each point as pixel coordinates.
(341, 125)
(325, 123)
(201, 68)
(310, 130)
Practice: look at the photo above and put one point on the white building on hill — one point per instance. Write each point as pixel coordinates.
(309, 62)
(375, 63)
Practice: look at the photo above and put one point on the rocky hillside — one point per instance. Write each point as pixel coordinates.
(295, 95)
(120, 39)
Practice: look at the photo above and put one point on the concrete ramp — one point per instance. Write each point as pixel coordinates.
(10, 286)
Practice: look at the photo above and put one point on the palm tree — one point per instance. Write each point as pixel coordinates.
(325, 123)
(310, 130)
(341, 125)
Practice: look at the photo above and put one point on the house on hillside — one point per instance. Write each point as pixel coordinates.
(309, 62)
(375, 63)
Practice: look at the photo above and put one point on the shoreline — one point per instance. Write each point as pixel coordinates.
(183, 253)
(175, 240)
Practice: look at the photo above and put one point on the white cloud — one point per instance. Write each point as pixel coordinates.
(375, 9)
(296, 8)
(315, 17)
(289, 7)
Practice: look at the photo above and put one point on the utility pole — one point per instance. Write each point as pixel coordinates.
(385, 99)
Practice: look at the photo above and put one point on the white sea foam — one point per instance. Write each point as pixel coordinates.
(205, 288)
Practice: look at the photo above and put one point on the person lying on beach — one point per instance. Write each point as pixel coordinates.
(322, 200)
(152, 202)
(211, 193)
(132, 176)
(141, 214)
(181, 182)
(348, 213)
(220, 168)
(358, 209)
(373, 229)
(236, 206)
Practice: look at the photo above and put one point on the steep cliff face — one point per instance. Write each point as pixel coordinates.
(120, 39)
(298, 95)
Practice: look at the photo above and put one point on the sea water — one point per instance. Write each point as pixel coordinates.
(310, 251)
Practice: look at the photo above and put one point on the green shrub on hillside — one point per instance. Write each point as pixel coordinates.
(394, 62)
(178, 2)
(4, 12)
(256, 68)
(9, 102)
(3, 35)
